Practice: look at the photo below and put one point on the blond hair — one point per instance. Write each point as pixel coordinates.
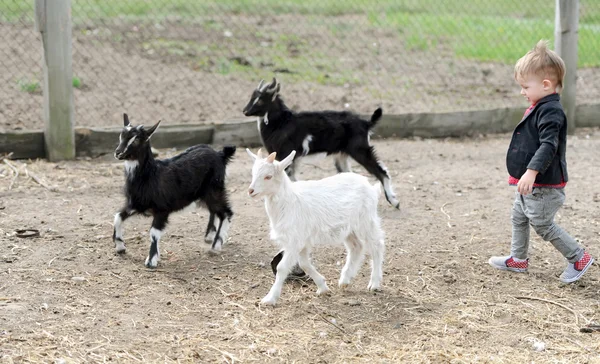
(541, 61)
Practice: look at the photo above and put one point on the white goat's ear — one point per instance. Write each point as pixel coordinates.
(153, 129)
(252, 155)
(271, 157)
(287, 160)
(260, 154)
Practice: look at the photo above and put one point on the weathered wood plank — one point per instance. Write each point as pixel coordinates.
(93, 142)
(588, 115)
(441, 125)
(238, 133)
(23, 144)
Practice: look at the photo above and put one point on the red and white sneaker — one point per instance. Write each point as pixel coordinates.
(509, 263)
(574, 271)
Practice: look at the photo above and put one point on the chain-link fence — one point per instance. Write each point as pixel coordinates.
(190, 61)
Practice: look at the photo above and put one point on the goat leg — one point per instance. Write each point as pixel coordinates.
(211, 229)
(156, 232)
(120, 218)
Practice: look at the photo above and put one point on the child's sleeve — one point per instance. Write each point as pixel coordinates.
(549, 125)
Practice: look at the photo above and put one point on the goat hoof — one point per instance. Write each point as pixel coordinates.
(215, 250)
(217, 246)
(323, 291)
(268, 301)
(208, 239)
(120, 247)
(344, 286)
(151, 263)
(374, 287)
(394, 203)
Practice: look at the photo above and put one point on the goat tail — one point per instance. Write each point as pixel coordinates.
(375, 117)
(227, 153)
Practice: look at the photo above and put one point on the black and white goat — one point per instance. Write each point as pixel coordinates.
(343, 134)
(159, 187)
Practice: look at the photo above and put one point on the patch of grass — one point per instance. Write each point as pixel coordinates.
(77, 82)
(29, 86)
(487, 30)
(486, 38)
(16, 10)
(93, 9)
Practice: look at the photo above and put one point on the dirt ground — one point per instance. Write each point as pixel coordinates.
(65, 296)
(191, 73)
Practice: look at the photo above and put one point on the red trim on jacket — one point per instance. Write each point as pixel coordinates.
(514, 181)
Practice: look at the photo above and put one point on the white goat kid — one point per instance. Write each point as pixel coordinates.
(337, 209)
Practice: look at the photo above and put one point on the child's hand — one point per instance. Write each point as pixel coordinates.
(525, 185)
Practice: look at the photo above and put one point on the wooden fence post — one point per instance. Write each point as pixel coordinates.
(53, 21)
(566, 27)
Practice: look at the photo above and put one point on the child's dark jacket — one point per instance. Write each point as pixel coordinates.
(539, 142)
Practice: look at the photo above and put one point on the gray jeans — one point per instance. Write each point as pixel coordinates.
(538, 209)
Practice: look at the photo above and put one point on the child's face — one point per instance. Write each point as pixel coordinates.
(534, 88)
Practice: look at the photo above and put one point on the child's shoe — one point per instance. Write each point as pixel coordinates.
(574, 271)
(509, 263)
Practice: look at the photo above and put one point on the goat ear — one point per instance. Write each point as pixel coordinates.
(153, 129)
(126, 120)
(287, 160)
(271, 157)
(252, 155)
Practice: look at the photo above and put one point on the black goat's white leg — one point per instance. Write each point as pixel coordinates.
(156, 232)
(222, 233)
(211, 229)
(366, 157)
(387, 187)
(342, 163)
(218, 204)
(120, 218)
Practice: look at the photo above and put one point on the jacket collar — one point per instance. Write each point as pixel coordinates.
(551, 97)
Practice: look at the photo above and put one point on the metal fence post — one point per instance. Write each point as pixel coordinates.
(566, 27)
(53, 21)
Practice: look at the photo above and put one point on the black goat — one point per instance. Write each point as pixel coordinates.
(159, 187)
(343, 134)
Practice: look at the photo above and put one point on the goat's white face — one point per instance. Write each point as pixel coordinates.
(267, 173)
